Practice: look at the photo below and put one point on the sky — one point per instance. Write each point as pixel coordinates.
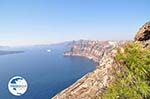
(29, 22)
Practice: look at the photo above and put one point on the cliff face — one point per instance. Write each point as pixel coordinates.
(91, 49)
(93, 84)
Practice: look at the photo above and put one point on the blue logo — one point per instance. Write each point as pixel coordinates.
(17, 86)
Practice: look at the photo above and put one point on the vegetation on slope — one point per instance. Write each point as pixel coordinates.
(133, 75)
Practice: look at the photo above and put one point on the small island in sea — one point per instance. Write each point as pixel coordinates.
(9, 52)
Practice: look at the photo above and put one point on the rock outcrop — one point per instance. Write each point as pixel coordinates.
(93, 84)
(144, 33)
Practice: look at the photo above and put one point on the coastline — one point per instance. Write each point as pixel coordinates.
(94, 83)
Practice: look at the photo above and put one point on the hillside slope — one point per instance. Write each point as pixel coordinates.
(101, 82)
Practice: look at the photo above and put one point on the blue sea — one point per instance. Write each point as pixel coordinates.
(46, 73)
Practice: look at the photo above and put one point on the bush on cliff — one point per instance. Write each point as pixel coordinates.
(132, 79)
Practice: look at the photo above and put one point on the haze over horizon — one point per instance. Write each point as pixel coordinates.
(29, 22)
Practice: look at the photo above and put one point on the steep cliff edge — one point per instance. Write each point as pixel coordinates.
(132, 83)
(93, 84)
(94, 50)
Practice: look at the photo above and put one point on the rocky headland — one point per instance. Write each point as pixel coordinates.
(93, 84)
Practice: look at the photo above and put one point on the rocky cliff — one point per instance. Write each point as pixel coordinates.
(93, 84)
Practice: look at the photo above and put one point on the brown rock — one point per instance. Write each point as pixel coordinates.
(144, 33)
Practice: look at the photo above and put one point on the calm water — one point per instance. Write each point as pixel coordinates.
(46, 73)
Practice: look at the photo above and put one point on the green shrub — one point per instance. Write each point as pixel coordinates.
(133, 80)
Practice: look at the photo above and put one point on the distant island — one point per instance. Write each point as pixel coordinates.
(9, 52)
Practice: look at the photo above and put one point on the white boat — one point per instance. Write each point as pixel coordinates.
(48, 51)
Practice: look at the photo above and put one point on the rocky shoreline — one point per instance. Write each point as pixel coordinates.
(92, 84)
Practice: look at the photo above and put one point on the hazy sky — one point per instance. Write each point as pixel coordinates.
(24, 22)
